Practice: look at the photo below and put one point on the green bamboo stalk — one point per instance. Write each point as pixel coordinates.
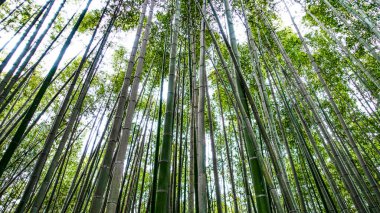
(213, 150)
(164, 163)
(121, 153)
(158, 134)
(258, 180)
(201, 139)
(101, 184)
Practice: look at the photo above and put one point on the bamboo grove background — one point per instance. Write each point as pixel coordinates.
(189, 106)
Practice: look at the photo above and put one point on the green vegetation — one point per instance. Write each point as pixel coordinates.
(189, 106)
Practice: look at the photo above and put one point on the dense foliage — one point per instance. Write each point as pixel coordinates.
(183, 106)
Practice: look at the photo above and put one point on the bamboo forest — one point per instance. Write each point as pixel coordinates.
(198, 106)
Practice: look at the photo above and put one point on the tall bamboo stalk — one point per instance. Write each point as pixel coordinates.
(164, 163)
(201, 139)
(101, 184)
(121, 152)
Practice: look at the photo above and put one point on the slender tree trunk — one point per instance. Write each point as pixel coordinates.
(213, 150)
(193, 99)
(101, 183)
(164, 163)
(259, 183)
(201, 154)
(158, 134)
(121, 153)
